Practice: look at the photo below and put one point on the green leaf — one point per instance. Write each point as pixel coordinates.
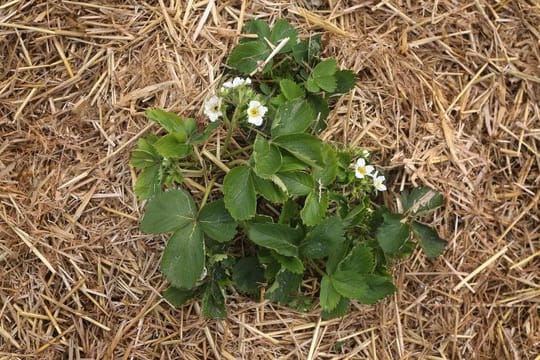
(269, 190)
(291, 163)
(292, 117)
(258, 27)
(324, 75)
(420, 200)
(366, 288)
(289, 212)
(329, 297)
(245, 56)
(392, 233)
(305, 147)
(346, 79)
(285, 287)
(216, 222)
(267, 157)
(178, 297)
(145, 155)
(170, 121)
(278, 237)
(239, 193)
(293, 264)
(200, 138)
(297, 183)
(327, 173)
(183, 258)
(431, 243)
(321, 111)
(311, 85)
(148, 182)
(213, 302)
(315, 208)
(324, 239)
(360, 260)
(281, 30)
(247, 275)
(290, 89)
(169, 147)
(340, 310)
(168, 211)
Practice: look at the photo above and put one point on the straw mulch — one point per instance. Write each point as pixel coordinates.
(448, 95)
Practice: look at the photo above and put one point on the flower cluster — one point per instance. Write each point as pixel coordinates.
(214, 106)
(363, 170)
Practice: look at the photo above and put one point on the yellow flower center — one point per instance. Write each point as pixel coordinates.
(254, 112)
(362, 170)
(215, 108)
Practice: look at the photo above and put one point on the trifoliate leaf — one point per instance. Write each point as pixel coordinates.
(145, 155)
(246, 56)
(324, 239)
(431, 243)
(297, 183)
(329, 297)
(169, 147)
(305, 147)
(168, 211)
(213, 302)
(248, 275)
(392, 233)
(278, 237)
(216, 222)
(183, 258)
(420, 201)
(324, 75)
(267, 157)
(314, 208)
(239, 193)
(292, 117)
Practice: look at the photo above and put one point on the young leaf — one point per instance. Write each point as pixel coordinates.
(392, 233)
(148, 182)
(431, 243)
(269, 190)
(168, 211)
(239, 193)
(420, 200)
(293, 264)
(183, 258)
(169, 147)
(323, 239)
(247, 275)
(216, 222)
(329, 297)
(289, 211)
(311, 85)
(170, 121)
(360, 260)
(292, 117)
(327, 173)
(290, 89)
(145, 155)
(285, 287)
(340, 310)
(324, 75)
(178, 297)
(297, 183)
(200, 138)
(245, 56)
(213, 302)
(315, 208)
(278, 237)
(267, 157)
(346, 79)
(305, 147)
(366, 288)
(281, 30)
(258, 27)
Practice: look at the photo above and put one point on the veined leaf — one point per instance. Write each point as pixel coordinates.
(329, 297)
(258, 27)
(213, 302)
(327, 173)
(305, 147)
(145, 155)
(392, 233)
(291, 263)
(269, 190)
(278, 237)
(420, 200)
(315, 208)
(360, 260)
(239, 193)
(281, 30)
(148, 182)
(178, 297)
(340, 310)
(345, 79)
(170, 121)
(169, 147)
(367, 288)
(168, 211)
(290, 89)
(431, 243)
(267, 157)
(293, 117)
(247, 275)
(245, 56)
(285, 287)
(297, 183)
(216, 222)
(324, 239)
(324, 75)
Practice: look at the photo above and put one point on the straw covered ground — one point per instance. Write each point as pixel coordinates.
(448, 95)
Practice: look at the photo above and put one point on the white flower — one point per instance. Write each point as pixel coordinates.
(236, 82)
(212, 108)
(361, 169)
(256, 112)
(378, 182)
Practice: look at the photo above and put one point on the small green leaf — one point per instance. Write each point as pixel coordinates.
(327, 173)
(245, 56)
(420, 200)
(145, 155)
(346, 79)
(324, 239)
(200, 138)
(297, 183)
(267, 157)
(431, 243)
(293, 264)
(321, 111)
(289, 212)
(178, 297)
(340, 310)
(305, 147)
(216, 222)
(366, 288)
(292, 117)
(329, 297)
(291, 163)
(213, 302)
(258, 27)
(290, 89)
(168, 211)
(169, 147)
(278, 237)
(311, 85)
(360, 260)
(392, 233)
(269, 190)
(239, 193)
(183, 258)
(324, 75)
(285, 287)
(247, 275)
(281, 30)
(148, 183)
(170, 121)
(315, 208)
